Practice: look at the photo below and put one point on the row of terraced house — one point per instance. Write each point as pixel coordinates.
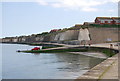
(105, 20)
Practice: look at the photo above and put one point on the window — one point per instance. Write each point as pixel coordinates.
(109, 21)
(106, 21)
(102, 21)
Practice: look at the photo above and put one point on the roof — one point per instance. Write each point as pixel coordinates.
(115, 17)
(103, 17)
(107, 17)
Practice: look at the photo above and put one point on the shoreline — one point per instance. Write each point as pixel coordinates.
(101, 70)
(92, 54)
(106, 51)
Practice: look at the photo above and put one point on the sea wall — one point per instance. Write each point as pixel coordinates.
(67, 35)
(63, 36)
(84, 36)
(103, 35)
(81, 36)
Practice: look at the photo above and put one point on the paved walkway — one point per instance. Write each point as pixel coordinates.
(112, 72)
(107, 45)
(106, 70)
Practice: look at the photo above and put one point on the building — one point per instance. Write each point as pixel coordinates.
(107, 20)
(54, 30)
(0, 40)
(116, 20)
(6, 40)
(14, 39)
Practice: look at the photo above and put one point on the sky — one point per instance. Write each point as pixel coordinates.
(26, 17)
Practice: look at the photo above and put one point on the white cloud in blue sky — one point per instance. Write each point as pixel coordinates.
(83, 5)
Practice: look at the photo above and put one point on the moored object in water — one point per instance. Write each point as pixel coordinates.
(36, 48)
(18, 51)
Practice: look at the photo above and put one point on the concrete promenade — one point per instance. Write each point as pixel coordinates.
(112, 72)
(108, 69)
(107, 45)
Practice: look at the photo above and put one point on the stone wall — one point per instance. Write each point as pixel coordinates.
(103, 35)
(82, 36)
(67, 35)
(48, 38)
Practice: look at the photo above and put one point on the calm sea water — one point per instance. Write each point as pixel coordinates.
(44, 65)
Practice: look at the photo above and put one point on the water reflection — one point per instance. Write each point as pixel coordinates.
(36, 53)
(75, 63)
(44, 65)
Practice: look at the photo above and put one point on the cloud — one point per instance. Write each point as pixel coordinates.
(83, 5)
(56, 5)
(42, 2)
(89, 9)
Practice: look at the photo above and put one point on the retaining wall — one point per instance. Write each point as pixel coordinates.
(90, 35)
(103, 35)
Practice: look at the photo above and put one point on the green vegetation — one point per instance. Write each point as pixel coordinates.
(106, 51)
(46, 47)
(53, 33)
(104, 25)
(56, 51)
(109, 53)
(43, 33)
(74, 28)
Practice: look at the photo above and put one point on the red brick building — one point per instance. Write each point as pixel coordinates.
(107, 20)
